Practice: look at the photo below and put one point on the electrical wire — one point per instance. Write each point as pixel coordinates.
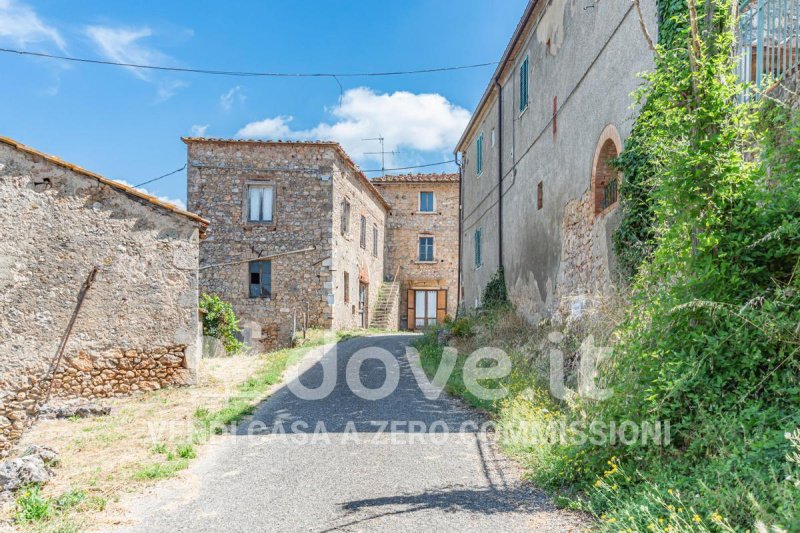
(415, 166)
(247, 73)
(160, 177)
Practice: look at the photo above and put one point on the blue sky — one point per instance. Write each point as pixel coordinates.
(126, 124)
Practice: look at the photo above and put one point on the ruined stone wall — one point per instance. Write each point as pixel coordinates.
(138, 328)
(218, 176)
(359, 263)
(405, 224)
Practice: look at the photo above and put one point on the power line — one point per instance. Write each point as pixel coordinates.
(416, 166)
(247, 73)
(160, 177)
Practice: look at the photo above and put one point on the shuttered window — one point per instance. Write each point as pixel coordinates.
(479, 154)
(345, 224)
(523, 85)
(375, 240)
(426, 202)
(478, 250)
(363, 232)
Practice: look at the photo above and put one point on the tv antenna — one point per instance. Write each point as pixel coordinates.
(382, 152)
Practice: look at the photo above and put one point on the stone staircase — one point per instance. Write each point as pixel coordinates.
(385, 313)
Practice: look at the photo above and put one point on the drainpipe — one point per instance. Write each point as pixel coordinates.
(460, 236)
(499, 171)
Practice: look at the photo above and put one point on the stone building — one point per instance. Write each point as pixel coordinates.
(421, 248)
(138, 326)
(297, 231)
(539, 197)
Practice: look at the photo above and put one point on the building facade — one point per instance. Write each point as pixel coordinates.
(539, 196)
(137, 327)
(296, 235)
(422, 246)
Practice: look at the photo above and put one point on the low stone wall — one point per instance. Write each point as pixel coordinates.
(114, 373)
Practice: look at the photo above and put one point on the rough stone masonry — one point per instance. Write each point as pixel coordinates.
(138, 328)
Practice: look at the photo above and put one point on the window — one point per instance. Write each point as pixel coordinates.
(375, 240)
(479, 154)
(346, 287)
(259, 201)
(492, 138)
(523, 85)
(363, 232)
(345, 217)
(539, 195)
(260, 279)
(478, 250)
(426, 249)
(427, 202)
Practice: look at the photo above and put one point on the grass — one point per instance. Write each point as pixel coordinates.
(146, 438)
(161, 470)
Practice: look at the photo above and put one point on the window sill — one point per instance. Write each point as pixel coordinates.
(426, 213)
(524, 111)
(426, 262)
(607, 210)
(264, 225)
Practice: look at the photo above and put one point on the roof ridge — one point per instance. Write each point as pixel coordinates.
(126, 189)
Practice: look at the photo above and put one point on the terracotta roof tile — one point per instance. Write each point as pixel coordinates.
(418, 178)
(127, 189)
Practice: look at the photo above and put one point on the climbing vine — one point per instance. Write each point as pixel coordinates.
(633, 239)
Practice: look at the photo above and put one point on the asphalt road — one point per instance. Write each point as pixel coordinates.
(344, 463)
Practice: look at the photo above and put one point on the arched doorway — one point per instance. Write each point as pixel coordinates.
(605, 178)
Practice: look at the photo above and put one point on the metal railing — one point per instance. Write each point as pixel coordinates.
(768, 46)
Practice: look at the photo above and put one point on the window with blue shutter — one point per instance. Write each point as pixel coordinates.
(479, 154)
(260, 279)
(523, 85)
(426, 202)
(478, 251)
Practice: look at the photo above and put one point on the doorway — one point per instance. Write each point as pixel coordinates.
(424, 309)
(363, 304)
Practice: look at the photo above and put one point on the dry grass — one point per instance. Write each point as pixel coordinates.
(145, 438)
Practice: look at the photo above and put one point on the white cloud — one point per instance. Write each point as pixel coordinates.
(124, 45)
(270, 128)
(199, 130)
(226, 100)
(408, 121)
(20, 24)
(177, 202)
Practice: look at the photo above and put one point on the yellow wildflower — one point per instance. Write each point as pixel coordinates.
(697, 519)
(716, 517)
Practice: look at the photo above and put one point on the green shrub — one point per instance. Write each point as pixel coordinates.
(219, 322)
(494, 294)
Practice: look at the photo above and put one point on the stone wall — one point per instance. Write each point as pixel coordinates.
(360, 264)
(405, 224)
(218, 176)
(58, 223)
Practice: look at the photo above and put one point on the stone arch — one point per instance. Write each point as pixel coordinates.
(605, 178)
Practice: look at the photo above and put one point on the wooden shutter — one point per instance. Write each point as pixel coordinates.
(412, 318)
(441, 306)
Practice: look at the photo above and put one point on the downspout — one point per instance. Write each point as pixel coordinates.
(460, 236)
(499, 171)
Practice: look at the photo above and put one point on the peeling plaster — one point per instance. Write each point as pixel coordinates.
(550, 31)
